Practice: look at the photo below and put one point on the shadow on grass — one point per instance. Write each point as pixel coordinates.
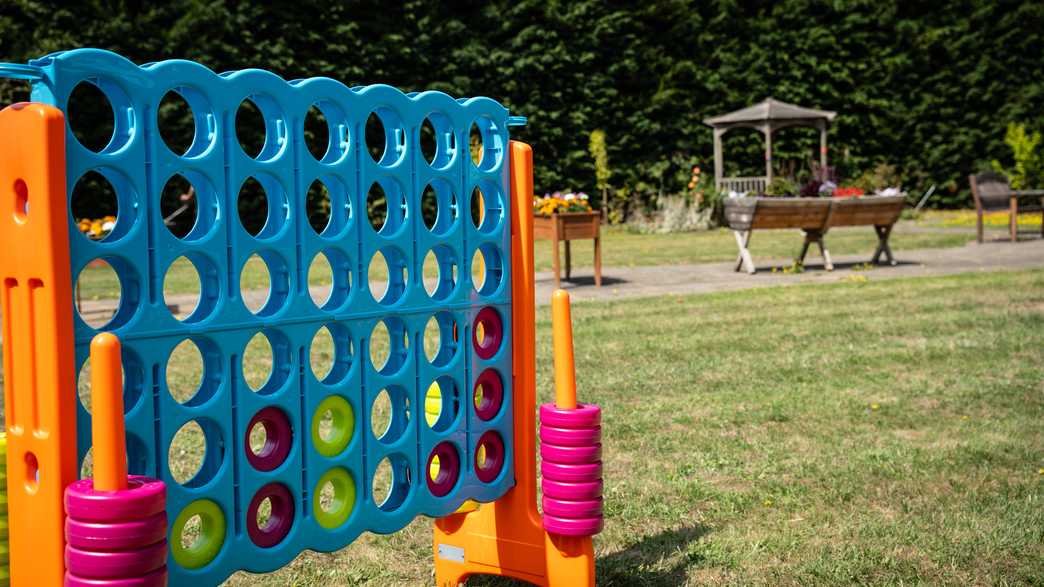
(660, 559)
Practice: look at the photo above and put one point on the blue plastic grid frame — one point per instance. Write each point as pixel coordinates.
(138, 163)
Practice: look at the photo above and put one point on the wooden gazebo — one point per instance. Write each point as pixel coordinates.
(766, 116)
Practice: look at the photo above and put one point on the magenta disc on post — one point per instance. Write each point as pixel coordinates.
(573, 527)
(584, 416)
(115, 535)
(572, 491)
(278, 439)
(561, 508)
(157, 578)
(143, 498)
(571, 454)
(117, 564)
(571, 473)
(279, 522)
(571, 436)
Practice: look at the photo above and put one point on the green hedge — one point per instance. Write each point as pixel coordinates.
(928, 86)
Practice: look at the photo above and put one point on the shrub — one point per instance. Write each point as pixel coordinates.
(781, 187)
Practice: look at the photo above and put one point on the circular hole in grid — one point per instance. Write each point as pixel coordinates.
(388, 275)
(439, 207)
(257, 361)
(375, 136)
(91, 116)
(440, 339)
(386, 207)
(441, 404)
(440, 272)
(487, 207)
(252, 204)
(391, 483)
(99, 292)
(316, 132)
(181, 281)
(95, 206)
(334, 498)
(390, 414)
(176, 122)
(475, 146)
(320, 277)
(190, 288)
(255, 283)
(385, 137)
(321, 353)
(488, 144)
(188, 206)
(428, 146)
(250, 128)
(487, 269)
(194, 453)
(328, 206)
(317, 206)
(438, 141)
(329, 279)
(262, 206)
(389, 346)
(333, 425)
(185, 371)
(377, 206)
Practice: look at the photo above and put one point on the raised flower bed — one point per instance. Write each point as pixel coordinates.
(563, 218)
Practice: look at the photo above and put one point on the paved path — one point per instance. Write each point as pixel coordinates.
(629, 282)
(710, 277)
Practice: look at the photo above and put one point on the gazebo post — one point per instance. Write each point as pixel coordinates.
(719, 159)
(768, 153)
(822, 149)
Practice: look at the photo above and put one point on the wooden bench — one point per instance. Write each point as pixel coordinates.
(814, 216)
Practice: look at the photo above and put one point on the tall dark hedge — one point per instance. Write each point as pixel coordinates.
(926, 85)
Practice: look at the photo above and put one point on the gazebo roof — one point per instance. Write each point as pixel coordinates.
(768, 110)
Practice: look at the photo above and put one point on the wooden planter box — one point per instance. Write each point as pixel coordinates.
(569, 226)
(814, 216)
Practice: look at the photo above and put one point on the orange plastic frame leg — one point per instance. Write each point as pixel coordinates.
(507, 537)
(39, 372)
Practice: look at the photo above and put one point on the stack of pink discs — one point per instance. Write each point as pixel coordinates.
(571, 469)
(116, 538)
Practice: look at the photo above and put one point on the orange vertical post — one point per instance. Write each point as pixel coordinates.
(562, 337)
(39, 373)
(107, 430)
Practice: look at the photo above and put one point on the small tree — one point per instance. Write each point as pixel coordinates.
(596, 146)
(1029, 165)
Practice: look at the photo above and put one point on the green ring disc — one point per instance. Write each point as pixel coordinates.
(343, 426)
(343, 498)
(211, 534)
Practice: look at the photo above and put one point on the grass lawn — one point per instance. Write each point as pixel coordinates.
(620, 247)
(878, 432)
(882, 432)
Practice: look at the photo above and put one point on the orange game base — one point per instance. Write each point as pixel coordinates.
(507, 537)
